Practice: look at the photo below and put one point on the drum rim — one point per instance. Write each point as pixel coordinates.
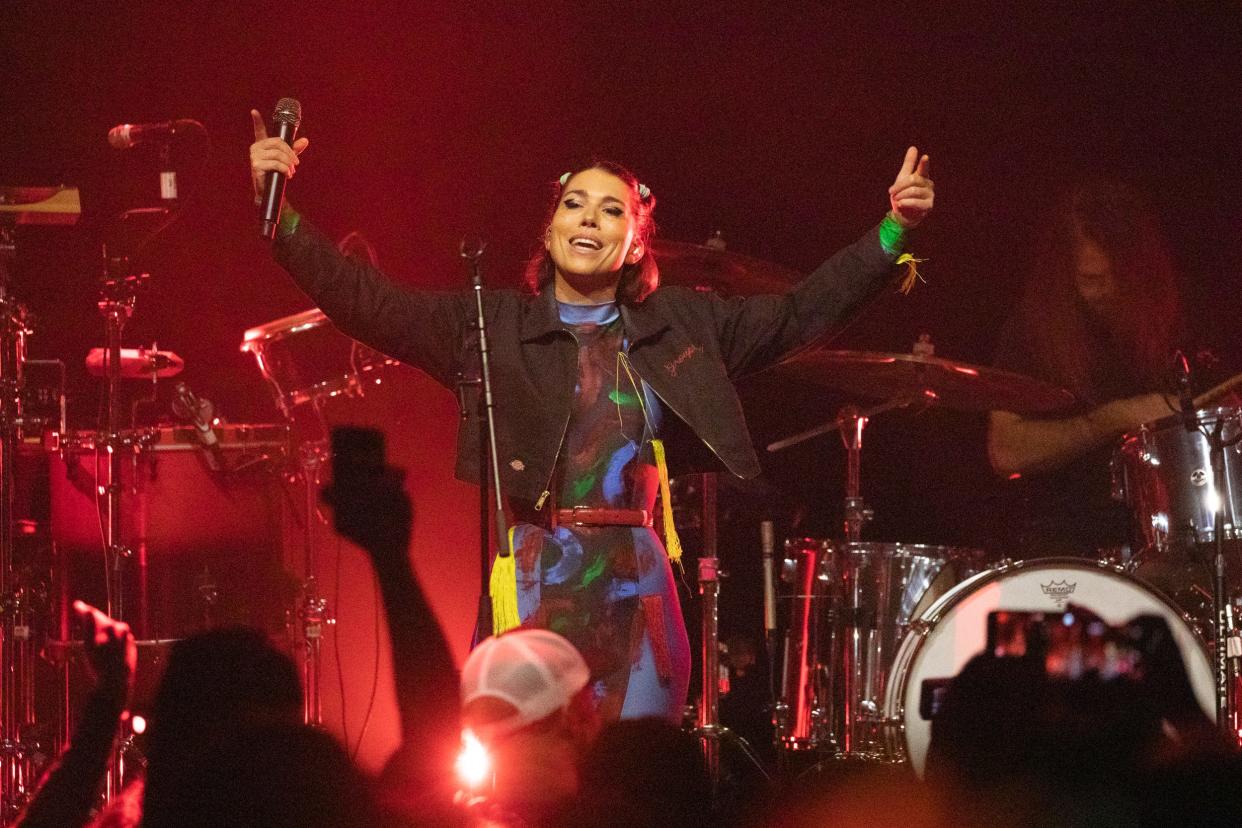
(283, 327)
(1090, 564)
(1173, 422)
(899, 548)
(916, 637)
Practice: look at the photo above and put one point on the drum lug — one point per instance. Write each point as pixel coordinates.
(1004, 565)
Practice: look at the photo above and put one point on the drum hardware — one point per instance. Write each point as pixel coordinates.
(708, 728)
(119, 286)
(43, 398)
(801, 720)
(313, 610)
(18, 754)
(306, 361)
(829, 660)
(295, 352)
(954, 629)
(893, 376)
(853, 603)
(710, 267)
(1226, 701)
(1165, 475)
(1181, 478)
(137, 363)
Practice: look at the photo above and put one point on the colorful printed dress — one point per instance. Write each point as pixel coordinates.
(608, 589)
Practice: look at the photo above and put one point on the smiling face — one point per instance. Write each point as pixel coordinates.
(592, 236)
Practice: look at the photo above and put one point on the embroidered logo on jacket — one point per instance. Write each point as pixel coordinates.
(672, 366)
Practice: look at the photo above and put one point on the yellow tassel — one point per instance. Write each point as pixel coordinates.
(503, 587)
(912, 272)
(671, 542)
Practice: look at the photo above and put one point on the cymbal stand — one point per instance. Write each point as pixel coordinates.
(313, 612)
(119, 287)
(16, 647)
(709, 729)
(850, 422)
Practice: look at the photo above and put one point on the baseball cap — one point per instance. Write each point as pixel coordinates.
(536, 671)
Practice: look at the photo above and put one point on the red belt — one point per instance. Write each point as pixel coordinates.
(591, 516)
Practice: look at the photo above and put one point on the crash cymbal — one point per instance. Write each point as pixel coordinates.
(39, 205)
(137, 363)
(711, 267)
(953, 384)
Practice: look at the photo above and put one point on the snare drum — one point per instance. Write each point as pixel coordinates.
(954, 629)
(306, 359)
(1164, 474)
(849, 607)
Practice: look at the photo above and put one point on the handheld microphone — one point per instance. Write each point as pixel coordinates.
(1185, 397)
(767, 544)
(125, 136)
(285, 122)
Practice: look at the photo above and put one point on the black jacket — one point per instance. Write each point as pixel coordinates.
(688, 345)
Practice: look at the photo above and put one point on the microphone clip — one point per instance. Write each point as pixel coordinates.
(1185, 395)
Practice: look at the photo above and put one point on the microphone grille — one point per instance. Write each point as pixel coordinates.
(288, 111)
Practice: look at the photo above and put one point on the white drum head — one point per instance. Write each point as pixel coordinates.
(954, 630)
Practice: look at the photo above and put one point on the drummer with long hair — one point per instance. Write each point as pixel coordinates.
(1101, 315)
(596, 369)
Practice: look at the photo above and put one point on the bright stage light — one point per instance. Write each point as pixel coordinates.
(474, 765)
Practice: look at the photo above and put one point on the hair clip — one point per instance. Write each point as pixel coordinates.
(565, 178)
(644, 192)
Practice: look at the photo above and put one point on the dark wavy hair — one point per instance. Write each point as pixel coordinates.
(1122, 221)
(637, 280)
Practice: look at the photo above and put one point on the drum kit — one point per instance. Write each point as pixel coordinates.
(173, 521)
(867, 634)
(867, 631)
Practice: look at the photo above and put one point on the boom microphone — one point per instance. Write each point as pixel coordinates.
(285, 122)
(125, 136)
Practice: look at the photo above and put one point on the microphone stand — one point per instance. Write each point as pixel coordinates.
(1222, 633)
(489, 460)
(1225, 701)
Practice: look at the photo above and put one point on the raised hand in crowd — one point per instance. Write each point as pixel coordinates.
(371, 508)
(68, 792)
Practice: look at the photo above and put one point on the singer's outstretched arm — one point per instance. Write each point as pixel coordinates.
(422, 328)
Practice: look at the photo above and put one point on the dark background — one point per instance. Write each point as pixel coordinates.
(779, 124)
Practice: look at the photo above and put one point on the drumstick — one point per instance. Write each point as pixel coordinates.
(1218, 391)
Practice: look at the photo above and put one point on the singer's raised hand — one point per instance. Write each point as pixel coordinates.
(913, 192)
(267, 154)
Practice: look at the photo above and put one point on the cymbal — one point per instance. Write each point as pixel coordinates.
(707, 267)
(137, 363)
(953, 384)
(282, 327)
(39, 205)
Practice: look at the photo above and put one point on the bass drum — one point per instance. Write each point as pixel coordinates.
(954, 629)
